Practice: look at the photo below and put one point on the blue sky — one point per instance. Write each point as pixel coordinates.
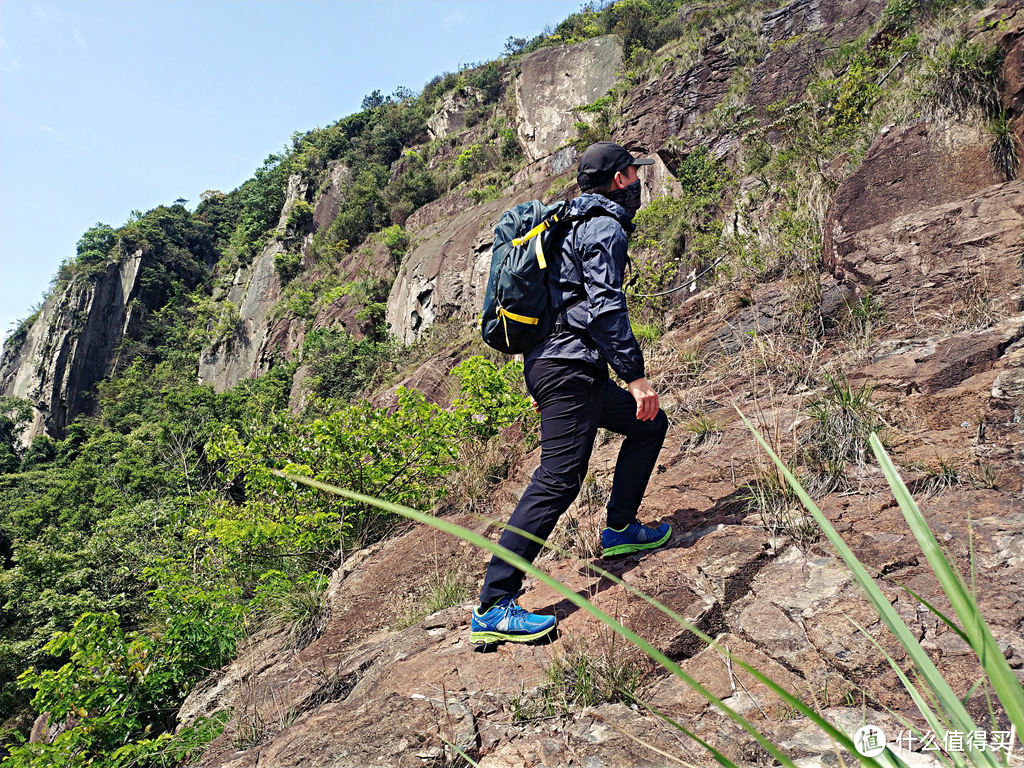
(108, 106)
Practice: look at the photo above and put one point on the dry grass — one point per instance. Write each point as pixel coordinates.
(482, 467)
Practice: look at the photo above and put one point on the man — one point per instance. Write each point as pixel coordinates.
(567, 375)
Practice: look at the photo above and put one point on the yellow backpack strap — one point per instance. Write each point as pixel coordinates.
(542, 227)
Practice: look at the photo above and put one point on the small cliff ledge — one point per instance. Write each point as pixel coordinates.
(71, 345)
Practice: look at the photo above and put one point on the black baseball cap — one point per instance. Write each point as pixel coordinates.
(601, 161)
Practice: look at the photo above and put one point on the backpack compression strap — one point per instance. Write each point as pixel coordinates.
(505, 316)
(540, 229)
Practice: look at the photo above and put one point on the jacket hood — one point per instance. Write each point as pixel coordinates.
(592, 203)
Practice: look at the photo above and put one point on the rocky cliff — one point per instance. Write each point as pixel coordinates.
(70, 346)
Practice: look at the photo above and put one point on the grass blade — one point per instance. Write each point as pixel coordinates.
(939, 614)
(950, 703)
(510, 557)
(929, 714)
(1004, 682)
(789, 698)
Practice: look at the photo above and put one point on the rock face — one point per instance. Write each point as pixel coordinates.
(244, 355)
(553, 81)
(446, 275)
(256, 288)
(451, 114)
(70, 346)
(924, 226)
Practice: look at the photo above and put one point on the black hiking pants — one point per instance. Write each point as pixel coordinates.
(575, 398)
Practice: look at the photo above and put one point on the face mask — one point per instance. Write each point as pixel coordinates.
(627, 197)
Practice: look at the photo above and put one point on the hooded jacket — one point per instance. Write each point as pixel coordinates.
(585, 289)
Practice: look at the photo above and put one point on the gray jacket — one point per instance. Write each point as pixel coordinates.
(585, 287)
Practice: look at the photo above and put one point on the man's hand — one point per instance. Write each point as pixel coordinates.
(646, 399)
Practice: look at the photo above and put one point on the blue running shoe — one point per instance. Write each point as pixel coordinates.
(508, 621)
(633, 538)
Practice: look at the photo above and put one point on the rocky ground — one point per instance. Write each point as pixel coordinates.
(945, 363)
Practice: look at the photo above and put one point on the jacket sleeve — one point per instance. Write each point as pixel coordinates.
(604, 262)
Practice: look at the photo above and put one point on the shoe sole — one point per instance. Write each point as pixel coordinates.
(626, 549)
(501, 637)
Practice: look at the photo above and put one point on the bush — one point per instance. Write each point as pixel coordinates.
(287, 266)
(487, 79)
(965, 75)
(341, 366)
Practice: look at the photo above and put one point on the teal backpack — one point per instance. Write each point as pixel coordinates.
(516, 308)
(517, 313)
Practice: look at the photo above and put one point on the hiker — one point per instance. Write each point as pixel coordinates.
(567, 376)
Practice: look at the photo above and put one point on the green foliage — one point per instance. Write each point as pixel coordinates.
(643, 25)
(342, 367)
(647, 334)
(1006, 147)
(965, 75)
(596, 106)
(487, 79)
(485, 194)
(403, 454)
(583, 677)
(300, 603)
(866, 313)
(300, 217)
(845, 100)
(843, 418)
(287, 266)
(117, 685)
(221, 213)
(778, 508)
(671, 231)
(472, 160)
(702, 427)
(94, 247)
(414, 186)
(15, 416)
(365, 208)
(591, 131)
(396, 240)
(445, 589)
(510, 149)
(490, 398)
(261, 199)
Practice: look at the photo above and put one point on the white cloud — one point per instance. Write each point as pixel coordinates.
(80, 40)
(49, 129)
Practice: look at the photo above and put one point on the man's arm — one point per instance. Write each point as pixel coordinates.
(604, 261)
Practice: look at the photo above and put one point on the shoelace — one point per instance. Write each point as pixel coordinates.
(514, 609)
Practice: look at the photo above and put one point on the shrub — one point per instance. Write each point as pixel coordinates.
(487, 79)
(843, 418)
(396, 240)
(341, 366)
(287, 266)
(965, 75)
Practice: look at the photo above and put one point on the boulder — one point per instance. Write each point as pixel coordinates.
(555, 80)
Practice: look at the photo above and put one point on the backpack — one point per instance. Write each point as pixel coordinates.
(517, 313)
